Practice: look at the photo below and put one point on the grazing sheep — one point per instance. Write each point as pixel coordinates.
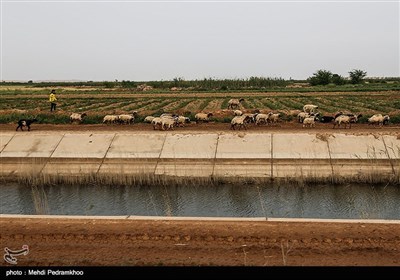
(182, 120)
(379, 119)
(237, 113)
(126, 119)
(234, 103)
(262, 118)
(156, 121)
(240, 121)
(109, 119)
(309, 121)
(273, 118)
(346, 120)
(251, 117)
(168, 122)
(354, 117)
(165, 122)
(148, 119)
(301, 116)
(310, 108)
(76, 117)
(203, 117)
(25, 122)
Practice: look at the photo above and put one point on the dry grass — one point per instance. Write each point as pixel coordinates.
(148, 179)
(286, 249)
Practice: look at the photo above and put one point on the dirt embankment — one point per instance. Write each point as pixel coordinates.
(289, 127)
(125, 242)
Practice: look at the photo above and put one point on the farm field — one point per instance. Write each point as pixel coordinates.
(97, 105)
(214, 243)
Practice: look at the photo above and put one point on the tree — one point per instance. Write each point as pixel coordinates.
(321, 77)
(356, 76)
(338, 80)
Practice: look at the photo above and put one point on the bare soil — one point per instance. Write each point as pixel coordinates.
(100, 242)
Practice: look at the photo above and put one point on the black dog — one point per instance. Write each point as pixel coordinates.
(25, 122)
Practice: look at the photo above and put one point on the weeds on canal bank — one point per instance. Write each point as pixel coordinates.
(147, 179)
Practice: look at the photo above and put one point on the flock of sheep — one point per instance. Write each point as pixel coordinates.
(310, 115)
(308, 118)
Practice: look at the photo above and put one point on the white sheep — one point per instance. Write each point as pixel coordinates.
(156, 121)
(182, 120)
(203, 117)
(148, 119)
(379, 119)
(76, 117)
(301, 116)
(168, 122)
(310, 108)
(237, 113)
(346, 120)
(309, 121)
(234, 103)
(273, 118)
(126, 119)
(110, 119)
(251, 117)
(240, 121)
(262, 118)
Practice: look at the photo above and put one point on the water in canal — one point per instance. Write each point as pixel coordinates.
(350, 201)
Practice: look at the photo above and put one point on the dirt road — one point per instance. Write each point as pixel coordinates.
(289, 127)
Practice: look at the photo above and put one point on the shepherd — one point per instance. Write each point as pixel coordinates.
(52, 100)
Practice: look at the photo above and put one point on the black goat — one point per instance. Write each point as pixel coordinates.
(327, 119)
(25, 122)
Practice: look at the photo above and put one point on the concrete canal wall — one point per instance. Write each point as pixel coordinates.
(268, 155)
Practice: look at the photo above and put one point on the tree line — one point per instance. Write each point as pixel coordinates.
(325, 77)
(319, 78)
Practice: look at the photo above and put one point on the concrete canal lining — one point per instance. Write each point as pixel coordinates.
(236, 154)
(229, 219)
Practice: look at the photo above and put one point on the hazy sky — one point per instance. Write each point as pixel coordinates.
(94, 40)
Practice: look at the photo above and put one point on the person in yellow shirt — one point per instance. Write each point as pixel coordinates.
(52, 100)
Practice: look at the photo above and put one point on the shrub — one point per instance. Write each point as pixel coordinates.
(109, 84)
(338, 80)
(321, 77)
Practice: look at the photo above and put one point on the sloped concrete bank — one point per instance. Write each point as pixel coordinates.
(234, 154)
